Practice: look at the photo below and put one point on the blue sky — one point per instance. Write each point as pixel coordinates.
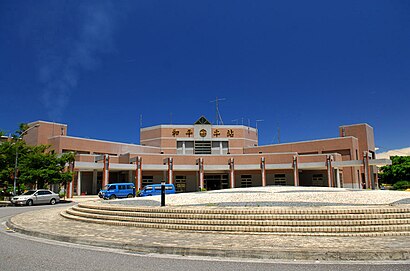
(304, 66)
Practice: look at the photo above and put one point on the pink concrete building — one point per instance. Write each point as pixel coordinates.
(209, 156)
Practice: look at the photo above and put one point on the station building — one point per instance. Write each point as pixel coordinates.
(206, 156)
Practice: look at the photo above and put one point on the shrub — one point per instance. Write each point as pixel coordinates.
(402, 185)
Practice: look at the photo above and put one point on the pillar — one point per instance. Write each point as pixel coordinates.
(368, 176)
(69, 192)
(295, 170)
(79, 184)
(200, 163)
(170, 170)
(365, 167)
(329, 160)
(94, 186)
(70, 185)
(338, 183)
(106, 170)
(232, 172)
(263, 171)
(138, 173)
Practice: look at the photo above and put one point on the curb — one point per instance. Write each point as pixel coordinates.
(5, 203)
(286, 254)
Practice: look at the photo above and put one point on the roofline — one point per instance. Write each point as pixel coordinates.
(104, 141)
(357, 124)
(306, 141)
(48, 122)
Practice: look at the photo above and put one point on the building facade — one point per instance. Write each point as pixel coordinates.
(206, 156)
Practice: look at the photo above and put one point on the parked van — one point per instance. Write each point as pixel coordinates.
(155, 189)
(117, 190)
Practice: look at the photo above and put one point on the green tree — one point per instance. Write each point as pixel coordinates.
(43, 167)
(37, 165)
(398, 171)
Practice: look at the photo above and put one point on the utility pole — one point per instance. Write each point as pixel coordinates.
(217, 113)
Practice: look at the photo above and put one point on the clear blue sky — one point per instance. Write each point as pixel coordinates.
(305, 66)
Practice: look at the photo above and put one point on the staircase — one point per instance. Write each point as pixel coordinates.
(323, 221)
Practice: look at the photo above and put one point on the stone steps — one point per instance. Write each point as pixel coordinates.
(173, 215)
(226, 221)
(347, 221)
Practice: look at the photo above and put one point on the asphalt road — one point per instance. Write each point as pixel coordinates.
(20, 252)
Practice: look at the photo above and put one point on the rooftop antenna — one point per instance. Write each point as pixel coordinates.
(236, 121)
(140, 121)
(217, 113)
(257, 123)
(278, 135)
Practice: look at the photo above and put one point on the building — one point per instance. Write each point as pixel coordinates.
(206, 156)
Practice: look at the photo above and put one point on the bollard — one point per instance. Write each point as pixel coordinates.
(162, 194)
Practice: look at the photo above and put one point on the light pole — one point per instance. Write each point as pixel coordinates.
(15, 164)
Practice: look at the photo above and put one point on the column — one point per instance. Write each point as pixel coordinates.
(69, 192)
(200, 163)
(329, 170)
(170, 170)
(295, 170)
(79, 184)
(231, 172)
(368, 176)
(221, 148)
(365, 167)
(263, 171)
(338, 183)
(70, 185)
(106, 172)
(138, 173)
(94, 187)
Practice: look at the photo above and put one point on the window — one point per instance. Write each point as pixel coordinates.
(317, 179)
(180, 184)
(279, 179)
(112, 187)
(202, 147)
(246, 180)
(122, 187)
(146, 180)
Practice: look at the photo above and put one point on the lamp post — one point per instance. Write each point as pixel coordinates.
(15, 164)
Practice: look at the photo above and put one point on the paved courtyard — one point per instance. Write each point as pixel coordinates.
(49, 224)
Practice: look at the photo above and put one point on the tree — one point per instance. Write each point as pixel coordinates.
(37, 165)
(42, 167)
(398, 171)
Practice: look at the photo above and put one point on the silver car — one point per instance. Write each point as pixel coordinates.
(40, 196)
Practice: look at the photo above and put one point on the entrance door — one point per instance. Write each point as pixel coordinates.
(215, 182)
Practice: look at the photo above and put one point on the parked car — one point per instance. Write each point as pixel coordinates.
(155, 189)
(117, 190)
(39, 196)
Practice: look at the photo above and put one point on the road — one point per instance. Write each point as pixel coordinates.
(20, 252)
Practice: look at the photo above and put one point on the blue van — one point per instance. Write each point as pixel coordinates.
(117, 190)
(155, 189)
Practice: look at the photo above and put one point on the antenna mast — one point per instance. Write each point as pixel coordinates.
(140, 121)
(217, 113)
(257, 124)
